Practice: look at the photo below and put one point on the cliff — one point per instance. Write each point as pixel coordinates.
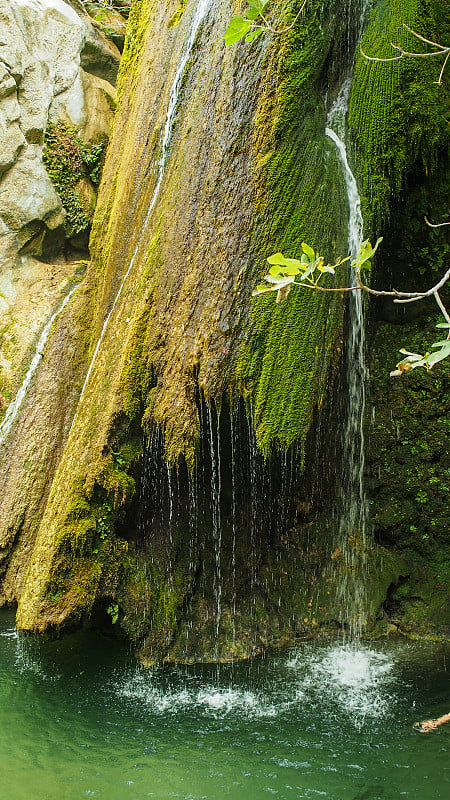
(156, 502)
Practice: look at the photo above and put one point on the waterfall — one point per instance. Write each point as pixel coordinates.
(14, 407)
(211, 529)
(200, 12)
(353, 516)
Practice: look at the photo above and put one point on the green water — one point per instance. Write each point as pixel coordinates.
(79, 719)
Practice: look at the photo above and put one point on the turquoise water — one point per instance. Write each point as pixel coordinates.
(79, 719)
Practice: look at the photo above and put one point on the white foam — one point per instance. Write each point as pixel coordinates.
(354, 677)
(213, 700)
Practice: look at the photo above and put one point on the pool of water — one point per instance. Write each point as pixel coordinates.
(79, 718)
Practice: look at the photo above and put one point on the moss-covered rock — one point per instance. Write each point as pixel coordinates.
(172, 334)
(409, 477)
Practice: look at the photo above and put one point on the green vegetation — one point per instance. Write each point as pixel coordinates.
(397, 110)
(68, 161)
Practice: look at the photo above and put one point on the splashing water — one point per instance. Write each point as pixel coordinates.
(357, 680)
(78, 719)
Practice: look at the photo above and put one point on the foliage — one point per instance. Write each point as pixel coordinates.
(68, 160)
(253, 23)
(414, 360)
(113, 611)
(311, 268)
(241, 27)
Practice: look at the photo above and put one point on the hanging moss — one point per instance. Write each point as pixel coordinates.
(301, 197)
(136, 28)
(397, 111)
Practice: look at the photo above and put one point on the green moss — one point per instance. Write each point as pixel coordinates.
(177, 15)
(137, 376)
(134, 40)
(300, 197)
(397, 111)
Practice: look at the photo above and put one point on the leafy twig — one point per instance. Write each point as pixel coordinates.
(308, 271)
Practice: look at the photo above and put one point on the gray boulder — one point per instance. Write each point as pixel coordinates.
(54, 66)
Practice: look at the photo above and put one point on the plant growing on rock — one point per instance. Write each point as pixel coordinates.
(68, 160)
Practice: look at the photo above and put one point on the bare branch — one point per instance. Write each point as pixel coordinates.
(433, 225)
(443, 67)
(375, 58)
(267, 27)
(423, 39)
(412, 296)
(442, 50)
(443, 309)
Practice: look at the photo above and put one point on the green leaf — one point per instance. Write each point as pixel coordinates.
(308, 250)
(252, 14)
(238, 28)
(274, 278)
(253, 35)
(258, 5)
(443, 325)
(366, 251)
(308, 272)
(292, 269)
(292, 262)
(263, 290)
(277, 258)
(434, 358)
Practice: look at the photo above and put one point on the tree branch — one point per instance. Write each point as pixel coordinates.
(442, 50)
(439, 224)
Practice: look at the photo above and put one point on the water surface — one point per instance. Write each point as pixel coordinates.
(79, 719)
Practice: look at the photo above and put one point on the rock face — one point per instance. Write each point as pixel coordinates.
(56, 69)
(160, 361)
(54, 66)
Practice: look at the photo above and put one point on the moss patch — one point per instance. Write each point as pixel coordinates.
(300, 196)
(69, 161)
(398, 115)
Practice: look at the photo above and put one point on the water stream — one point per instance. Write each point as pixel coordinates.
(353, 515)
(199, 14)
(15, 406)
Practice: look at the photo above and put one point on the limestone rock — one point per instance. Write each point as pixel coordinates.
(7, 82)
(42, 46)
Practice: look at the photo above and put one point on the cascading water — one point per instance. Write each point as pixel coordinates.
(14, 407)
(200, 12)
(353, 517)
(208, 532)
